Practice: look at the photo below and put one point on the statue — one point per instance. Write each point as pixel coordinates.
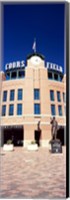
(56, 146)
(38, 136)
(54, 128)
(38, 126)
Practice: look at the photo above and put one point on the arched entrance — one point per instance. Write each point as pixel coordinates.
(60, 134)
(14, 133)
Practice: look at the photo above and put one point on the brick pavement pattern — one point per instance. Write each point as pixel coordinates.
(33, 174)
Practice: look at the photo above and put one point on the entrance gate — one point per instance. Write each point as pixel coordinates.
(14, 133)
(60, 135)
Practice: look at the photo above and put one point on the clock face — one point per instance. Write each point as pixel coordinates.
(35, 60)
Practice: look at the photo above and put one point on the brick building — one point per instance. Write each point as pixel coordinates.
(31, 93)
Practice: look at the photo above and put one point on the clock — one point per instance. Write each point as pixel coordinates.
(36, 60)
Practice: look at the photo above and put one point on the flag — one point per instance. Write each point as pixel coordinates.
(34, 46)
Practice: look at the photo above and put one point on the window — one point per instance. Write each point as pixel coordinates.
(61, 77)
(60, 110)
(51, 95)
(3, 110)
(50, 75)
(64, 97)
(19, 109)
(12, 95)
(21, 74)
(8, 76)
(19, 94)
(58, 96)
(13, 75)
(11, 109)
(36, 109)
(5, 96)
(56, 77)
(36, 94)
(53, 109)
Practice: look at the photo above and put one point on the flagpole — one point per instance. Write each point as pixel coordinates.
(34, 45)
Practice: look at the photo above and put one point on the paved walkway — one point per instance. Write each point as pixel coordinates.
(27, 174)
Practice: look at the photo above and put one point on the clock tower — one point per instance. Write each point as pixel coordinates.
(35, 60)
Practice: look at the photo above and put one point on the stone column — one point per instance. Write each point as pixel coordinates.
(28, 134)
(46, 135)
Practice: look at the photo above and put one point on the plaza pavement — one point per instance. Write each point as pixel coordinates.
(32, 174)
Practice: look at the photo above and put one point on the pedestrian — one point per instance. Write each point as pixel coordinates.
(54, 128)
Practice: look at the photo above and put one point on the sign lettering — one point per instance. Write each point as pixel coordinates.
(17, 64)
(54, 67)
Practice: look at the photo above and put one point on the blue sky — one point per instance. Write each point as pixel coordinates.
(24, 22)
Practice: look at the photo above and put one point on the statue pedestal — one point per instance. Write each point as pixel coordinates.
(56, 146)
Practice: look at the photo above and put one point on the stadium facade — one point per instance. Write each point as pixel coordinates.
(30, 93)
